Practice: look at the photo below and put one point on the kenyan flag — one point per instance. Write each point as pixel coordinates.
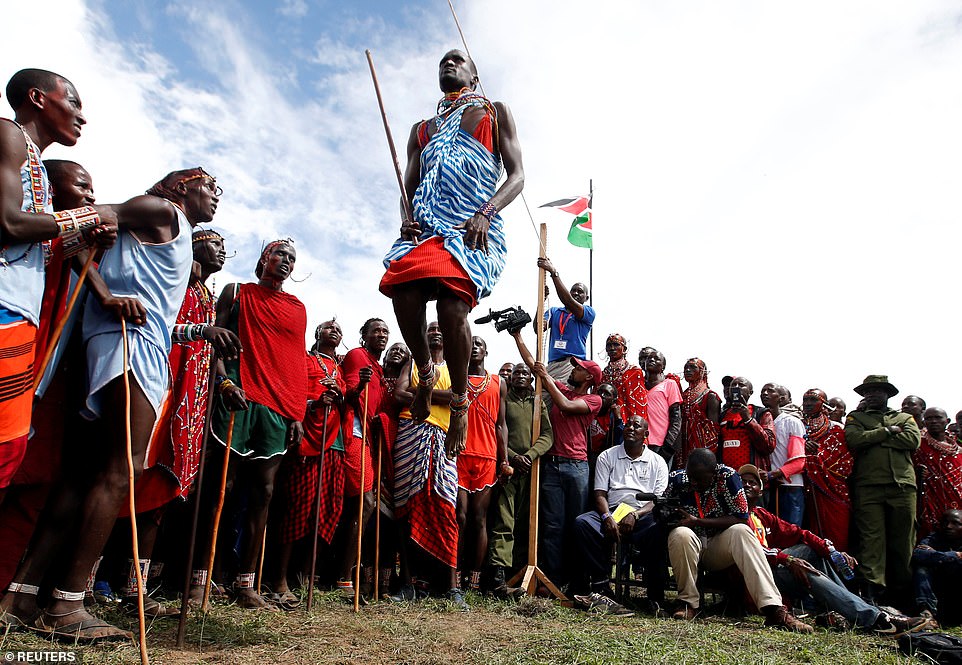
(579, 234)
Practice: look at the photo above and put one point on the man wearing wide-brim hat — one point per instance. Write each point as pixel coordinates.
(883, 490)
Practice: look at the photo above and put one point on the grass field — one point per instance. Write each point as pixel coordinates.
(432, 631)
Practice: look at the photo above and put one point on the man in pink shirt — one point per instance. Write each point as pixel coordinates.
(785, 480)
(664, 406)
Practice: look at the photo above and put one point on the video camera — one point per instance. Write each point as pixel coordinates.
(511, 319)
(666, 507)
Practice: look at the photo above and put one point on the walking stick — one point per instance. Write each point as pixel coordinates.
(405, 201)
(135, 545)
(260, 565)
(205, 605)
(58, 331)
(377, 519)
(317, 508)
(199, 483)
(360, 510)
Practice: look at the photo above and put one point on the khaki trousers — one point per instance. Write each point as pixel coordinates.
(735, 545)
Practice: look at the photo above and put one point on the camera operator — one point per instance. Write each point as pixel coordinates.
(713, 534)
(569, 326)
(621, 472)
(747, 432)
(564, 470)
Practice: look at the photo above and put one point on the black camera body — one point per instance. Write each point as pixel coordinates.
(511, 319)
(666, 508)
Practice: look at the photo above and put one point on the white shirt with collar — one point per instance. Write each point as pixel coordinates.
(622, 477)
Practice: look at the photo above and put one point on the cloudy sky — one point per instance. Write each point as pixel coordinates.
(776, 185)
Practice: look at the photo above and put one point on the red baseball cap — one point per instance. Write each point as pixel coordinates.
(593, 368)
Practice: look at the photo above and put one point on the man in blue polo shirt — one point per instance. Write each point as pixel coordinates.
(569, 326)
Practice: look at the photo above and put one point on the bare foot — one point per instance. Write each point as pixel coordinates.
(251, 600)
(455, 440)
(421, 407)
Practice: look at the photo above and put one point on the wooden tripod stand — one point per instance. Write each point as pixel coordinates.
(531, 575)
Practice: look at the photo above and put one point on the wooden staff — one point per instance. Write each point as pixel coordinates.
(58, 330)
(135, 544)
(198, 483)
(377, 519)
(405, 201)
(317, 508)
(205, 605)
(360, 510)
(260, 565)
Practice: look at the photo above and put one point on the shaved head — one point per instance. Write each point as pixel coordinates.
(23, 81)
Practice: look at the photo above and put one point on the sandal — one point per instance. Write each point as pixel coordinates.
(10, 622)
(152, 608)
(287, 601)
(80, 632)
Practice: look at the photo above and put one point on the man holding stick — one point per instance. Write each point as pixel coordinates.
(453, 248)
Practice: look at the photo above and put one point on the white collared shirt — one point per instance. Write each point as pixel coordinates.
(622, 477)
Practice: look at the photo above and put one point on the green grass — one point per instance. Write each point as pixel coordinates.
(533, 631)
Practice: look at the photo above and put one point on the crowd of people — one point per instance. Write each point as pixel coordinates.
(410, 464)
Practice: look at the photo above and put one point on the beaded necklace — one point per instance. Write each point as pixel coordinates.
(475, 391)
(944, 447)
(452, 101)
(37, 194)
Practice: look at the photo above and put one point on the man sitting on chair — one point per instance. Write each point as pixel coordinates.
(621, 472)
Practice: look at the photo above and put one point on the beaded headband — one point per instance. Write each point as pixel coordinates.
(205, 234)
(618, 338)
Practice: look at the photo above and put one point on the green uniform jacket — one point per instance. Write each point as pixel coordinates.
(518, 415)
(882, 458)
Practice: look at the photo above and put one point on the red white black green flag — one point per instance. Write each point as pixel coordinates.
(579, 234)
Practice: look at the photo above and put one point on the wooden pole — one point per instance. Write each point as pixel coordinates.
(58, 331)
(360, 510)
(317, 509)
(135, 544)
(530, 575)
(205, 605)
(377, 519)
(405, 201)
(199, 483)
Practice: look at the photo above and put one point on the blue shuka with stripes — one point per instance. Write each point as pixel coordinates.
(458, 175)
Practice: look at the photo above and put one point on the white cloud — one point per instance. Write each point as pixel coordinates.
(775, 185)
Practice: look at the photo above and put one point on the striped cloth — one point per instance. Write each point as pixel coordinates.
(458, 175)
(426, 489)
(17, 339)
(298, 491)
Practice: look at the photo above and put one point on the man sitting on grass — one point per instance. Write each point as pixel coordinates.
(800, 562)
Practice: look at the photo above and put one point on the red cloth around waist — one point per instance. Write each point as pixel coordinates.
(430, 260)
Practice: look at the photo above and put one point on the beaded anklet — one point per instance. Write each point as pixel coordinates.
(244, 581)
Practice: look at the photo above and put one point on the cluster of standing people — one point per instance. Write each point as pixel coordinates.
(410, 464)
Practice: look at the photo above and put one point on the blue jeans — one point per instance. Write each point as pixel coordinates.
(938, 589)
(564, 496)
(827, 589)
(791, 503)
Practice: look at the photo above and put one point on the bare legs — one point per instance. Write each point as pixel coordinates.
(473, 530)
(106, 496)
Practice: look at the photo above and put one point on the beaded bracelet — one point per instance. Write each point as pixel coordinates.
(188, 332)
(488, 209)
(604, 518)
(73, 243)
(77, 219)
(225, 384)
